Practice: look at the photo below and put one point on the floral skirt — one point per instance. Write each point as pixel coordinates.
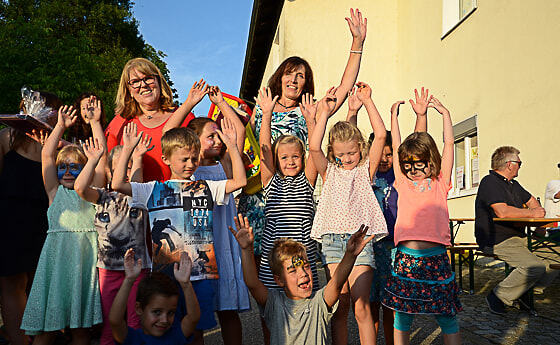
(382, 253)
(421, 282)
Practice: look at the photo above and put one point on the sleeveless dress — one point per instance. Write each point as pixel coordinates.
(231, 293)
(23, 209)
(289, 211)
(65, 291)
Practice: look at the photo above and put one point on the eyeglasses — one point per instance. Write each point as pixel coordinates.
(518, 162)
(136, 83)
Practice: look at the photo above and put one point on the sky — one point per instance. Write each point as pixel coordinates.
(202, 39)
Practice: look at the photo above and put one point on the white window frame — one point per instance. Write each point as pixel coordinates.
(451, 16)
(464, 136)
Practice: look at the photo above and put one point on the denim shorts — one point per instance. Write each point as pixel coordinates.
(334, 247)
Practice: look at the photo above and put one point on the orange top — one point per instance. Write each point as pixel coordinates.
(423, 214)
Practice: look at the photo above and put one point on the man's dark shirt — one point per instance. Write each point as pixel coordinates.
(494, 189)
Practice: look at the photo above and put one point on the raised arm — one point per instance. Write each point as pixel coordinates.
(182, 273)
(229, 138)
(130, 139)
(420, 107)
(216, 97)
(196, 94)
(354, 105)
(244, 236)
(355, 245)
(379, 130)
(93, 151)
(308, 108)
(100, 176)
(448, 139)
(396, 137)
(266, 102)
(136, 172)
(358, 28)
(325, 109)
(66, 118)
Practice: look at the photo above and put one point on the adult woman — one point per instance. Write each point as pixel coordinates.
(145, 98)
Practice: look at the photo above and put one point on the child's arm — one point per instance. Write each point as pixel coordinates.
(66, 118)
(132, 269)
(100, 177)
(244, 236)
(130, 139)
(94, 151)
(358, 28)
(355, 245)
(216, 97)
(196, 94)
(228, 136)
(325, 109)
(308, 108)
(354, 105)
(396, 138)
(144, 145)
(379, 130)
(266, 103)
(448, 139)
(420, 107)
(182, 272)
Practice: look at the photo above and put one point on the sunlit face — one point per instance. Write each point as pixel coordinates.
(157, 316)
(417, 170)
(114, 163)
(67, 172)
(182, 162)
(211, 145)
(386, 162)
(145, 89)
(293, 82)
(290, 159)
(85, 110)
(347, 154)
(296, 280)
(514, 165)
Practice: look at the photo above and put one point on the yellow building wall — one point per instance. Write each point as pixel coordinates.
(499, 64)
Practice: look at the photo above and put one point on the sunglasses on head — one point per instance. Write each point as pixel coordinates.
(412, 166)
(73, 168)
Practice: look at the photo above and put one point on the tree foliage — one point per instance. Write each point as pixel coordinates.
(68, 47)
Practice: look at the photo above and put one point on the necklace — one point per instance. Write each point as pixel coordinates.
(286, 107)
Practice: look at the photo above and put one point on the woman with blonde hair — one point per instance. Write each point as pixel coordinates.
(145, 98)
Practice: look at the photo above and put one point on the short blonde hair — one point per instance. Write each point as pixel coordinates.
(344, 131)
(125, 105)
(285, 140)
(178, 138)
(73, 153)
(422, 146)
(284, 249)
(502, 155)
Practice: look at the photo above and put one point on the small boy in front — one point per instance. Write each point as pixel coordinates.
(180, 209)
(296, 315)
(156, 303)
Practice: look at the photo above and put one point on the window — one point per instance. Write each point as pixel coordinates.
(466, 176)
(454, 12)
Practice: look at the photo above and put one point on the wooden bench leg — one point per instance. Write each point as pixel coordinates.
(471, 271)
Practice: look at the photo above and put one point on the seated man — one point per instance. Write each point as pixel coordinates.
(499, 195)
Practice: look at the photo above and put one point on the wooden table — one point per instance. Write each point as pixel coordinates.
(455, 224)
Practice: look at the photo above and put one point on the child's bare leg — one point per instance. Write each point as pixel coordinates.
(13, 300)
(231, 327)
(401, 338)
(339, 322)
(452, 339)
(46, 338)
(360, 284)
(388, 319)
(375, 315)
(80, 336)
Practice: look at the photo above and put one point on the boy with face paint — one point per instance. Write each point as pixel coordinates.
(298, 308)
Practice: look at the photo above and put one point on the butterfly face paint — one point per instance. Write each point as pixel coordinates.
(73, 168)
(297, 261)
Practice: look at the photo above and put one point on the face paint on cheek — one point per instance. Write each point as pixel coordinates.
(338, 162)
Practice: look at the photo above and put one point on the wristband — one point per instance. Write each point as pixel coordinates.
(356, 51)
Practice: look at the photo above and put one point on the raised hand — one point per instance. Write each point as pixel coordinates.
(144, 145)
(93, 109)
(130, 136)
(92, 149)
(357, 242)
(215, 95)
(436, 104)
(420, 106)
(327, 104)
(182, 269)
(308, 107)
(354, 103)
(395, 107)
(265, 100)
(132, 268)
(197, 92)
(244, 233)
(363, 92)
(66, 116)
(39, 136)
(228, 134)
(357, 25)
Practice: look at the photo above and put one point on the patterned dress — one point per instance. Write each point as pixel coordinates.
(289, 213)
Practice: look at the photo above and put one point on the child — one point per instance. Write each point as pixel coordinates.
(156, 303)
(288, 190)
(88, 106)
(180, 210)
(346, 201)
(422, 281)
(65, 291)
(298, 308)
(118, 226)
(215, 164)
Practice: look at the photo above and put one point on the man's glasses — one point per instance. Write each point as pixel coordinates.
(136, 83)
(518, 162)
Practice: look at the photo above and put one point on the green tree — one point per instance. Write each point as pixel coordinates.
(68, 47)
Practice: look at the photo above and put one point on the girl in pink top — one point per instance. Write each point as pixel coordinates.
(347, 201)
(422, 281)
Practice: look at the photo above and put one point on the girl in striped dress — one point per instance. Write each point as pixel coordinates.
(288, 189)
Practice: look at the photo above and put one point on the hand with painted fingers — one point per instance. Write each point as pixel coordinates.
(308, 107)
(228, 134)
(358, 241)
(92, 149)
(244, 233)
(395, 107)
(130, 136)
(363, 92)
(265, 100)
(354, 103)
(182, 269)
(436, 104)
(197, 92)
(144, 145)
(357, 25)
(93, 109)
(132, 267)
(327, 104)
(420, 105)
(215, 95)
(66, 116)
